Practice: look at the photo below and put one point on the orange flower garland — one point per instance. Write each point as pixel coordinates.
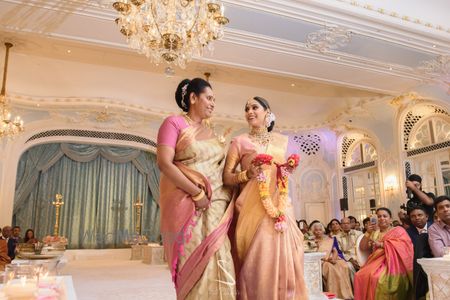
(283, 171)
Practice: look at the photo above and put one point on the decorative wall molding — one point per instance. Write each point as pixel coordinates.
(328, 38)
(397, 15)
(437, 69)
(107, 113)
(93, 134)
(309, 12)
(366, 165)
(427, 149)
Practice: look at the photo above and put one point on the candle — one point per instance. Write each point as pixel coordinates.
(20, 288)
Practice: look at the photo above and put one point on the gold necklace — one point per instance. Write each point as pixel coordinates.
(260, 136)
(190, 121)
(220, 138)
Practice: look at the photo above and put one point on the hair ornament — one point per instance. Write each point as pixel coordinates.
(183, 95)
(270, 117)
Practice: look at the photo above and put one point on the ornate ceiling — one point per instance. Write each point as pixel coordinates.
(274, 47)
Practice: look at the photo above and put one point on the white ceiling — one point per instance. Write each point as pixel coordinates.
(264, 47)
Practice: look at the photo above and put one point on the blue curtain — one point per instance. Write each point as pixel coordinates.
(99, 184)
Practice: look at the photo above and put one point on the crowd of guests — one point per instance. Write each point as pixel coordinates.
(392, 248)
(9, 239)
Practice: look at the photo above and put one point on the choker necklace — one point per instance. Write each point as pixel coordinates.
(260, 136)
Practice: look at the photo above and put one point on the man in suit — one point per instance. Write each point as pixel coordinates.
(418, 232)
(13, 240)
(419, 221)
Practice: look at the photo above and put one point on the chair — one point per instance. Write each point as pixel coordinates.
(361, 256)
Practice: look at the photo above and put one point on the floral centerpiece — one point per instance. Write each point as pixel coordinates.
(137, 240)
(283, 172)
(52, 244)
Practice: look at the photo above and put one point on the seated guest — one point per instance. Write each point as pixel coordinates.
(347, 243)
(334, 227)
(387, 273)
(16, 234)
(4, 258)
(29, 237)
(439, 232)
(352, 221)
(303, 226)
(358, 226)
(419, 221)
(366, 222)
(335, 271)
(6, 232)
(13, 241)
(419, 237)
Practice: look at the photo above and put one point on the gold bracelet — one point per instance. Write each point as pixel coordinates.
(199, 196)
(242, 177)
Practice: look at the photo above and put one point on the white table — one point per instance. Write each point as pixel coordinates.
(438, 271)
(313, 275)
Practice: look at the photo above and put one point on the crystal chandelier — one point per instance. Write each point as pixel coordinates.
(171, 30)
(9, 127)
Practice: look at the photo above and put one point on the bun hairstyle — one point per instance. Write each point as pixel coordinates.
(265, 104)
(185, 88)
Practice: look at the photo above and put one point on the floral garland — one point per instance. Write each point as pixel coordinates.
(283, 172)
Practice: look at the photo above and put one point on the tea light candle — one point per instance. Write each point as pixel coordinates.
(20, 288)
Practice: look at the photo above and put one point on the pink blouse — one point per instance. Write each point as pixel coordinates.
(170, 130)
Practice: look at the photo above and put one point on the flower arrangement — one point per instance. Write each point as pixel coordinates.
(51, 239)
(283, 172)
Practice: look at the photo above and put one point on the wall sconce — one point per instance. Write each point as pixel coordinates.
(390, 183)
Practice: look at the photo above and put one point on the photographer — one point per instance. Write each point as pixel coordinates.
(417, 196)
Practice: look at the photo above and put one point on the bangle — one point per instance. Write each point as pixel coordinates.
(199, 196)
(242, 177)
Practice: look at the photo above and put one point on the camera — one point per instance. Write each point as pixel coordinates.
(411, 204)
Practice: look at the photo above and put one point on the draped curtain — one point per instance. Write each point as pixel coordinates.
(99, 184)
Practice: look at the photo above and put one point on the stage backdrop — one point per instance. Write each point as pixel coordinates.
(99, 185)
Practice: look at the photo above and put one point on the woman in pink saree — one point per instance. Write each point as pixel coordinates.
(387, 274)
(195, 207)
(268, 251)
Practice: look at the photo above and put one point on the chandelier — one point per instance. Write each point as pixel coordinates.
(9, 127)
(171, 31)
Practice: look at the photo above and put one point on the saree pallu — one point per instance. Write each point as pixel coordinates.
(269, 264)
(336, 277)
(196, 244)
(387, 273)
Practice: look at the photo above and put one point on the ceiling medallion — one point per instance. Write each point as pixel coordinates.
(171, 31)
(329, 38)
